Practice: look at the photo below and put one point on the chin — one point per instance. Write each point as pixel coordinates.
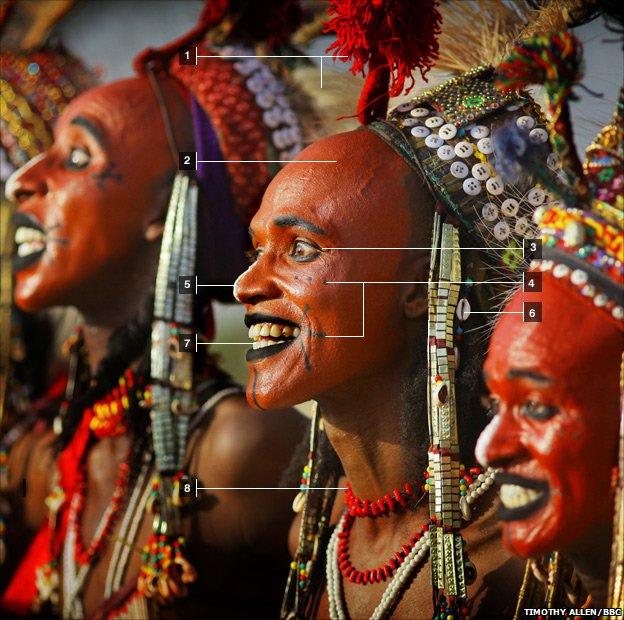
(264, 397)
(541, 532)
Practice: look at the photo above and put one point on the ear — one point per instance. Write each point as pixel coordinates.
(154, 231)
(415, 298)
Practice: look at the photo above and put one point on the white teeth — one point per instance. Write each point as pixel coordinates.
(514, 496)
(24, 234)
(260, 331)
(27, 248)
(260, 344)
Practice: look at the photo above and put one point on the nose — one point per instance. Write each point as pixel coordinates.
(28, 181)
(500, 444)
(257, 283)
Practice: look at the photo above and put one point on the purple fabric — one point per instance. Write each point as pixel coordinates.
(221, 238)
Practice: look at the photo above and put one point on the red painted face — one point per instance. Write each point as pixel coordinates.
(360, 201)
(86, 204)
(555, 390)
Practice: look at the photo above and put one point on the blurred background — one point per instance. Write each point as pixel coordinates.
(107, 34)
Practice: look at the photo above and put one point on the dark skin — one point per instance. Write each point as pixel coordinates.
(104, 185)
(556, 400)
(362, 201)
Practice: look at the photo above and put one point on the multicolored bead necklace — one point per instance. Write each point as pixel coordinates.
(109, 419)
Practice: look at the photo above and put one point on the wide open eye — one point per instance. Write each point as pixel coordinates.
(304, 251)
(78, 158)
(537, 411)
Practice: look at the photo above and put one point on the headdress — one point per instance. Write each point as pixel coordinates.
(582, 230)
(447, 135)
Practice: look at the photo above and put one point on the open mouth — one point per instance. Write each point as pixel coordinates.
(520, 496)
(30, 241)
(269, 335)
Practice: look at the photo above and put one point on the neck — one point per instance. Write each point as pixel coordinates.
(591, 557)
(364, 426)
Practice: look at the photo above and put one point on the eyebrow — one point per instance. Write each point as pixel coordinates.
(91, 127)
(291, 221)
(516, 373)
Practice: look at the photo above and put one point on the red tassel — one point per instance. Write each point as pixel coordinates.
(392, 37)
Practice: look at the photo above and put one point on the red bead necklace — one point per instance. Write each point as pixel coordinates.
(372, 575)
(86, 556)
(374, 508)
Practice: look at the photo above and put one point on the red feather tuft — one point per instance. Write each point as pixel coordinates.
(396, 36)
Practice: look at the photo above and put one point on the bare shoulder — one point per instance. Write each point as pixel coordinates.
(239, 436)
(499, 574)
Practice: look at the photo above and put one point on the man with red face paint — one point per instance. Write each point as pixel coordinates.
(95, 203)
(351, 303)
(555, 384)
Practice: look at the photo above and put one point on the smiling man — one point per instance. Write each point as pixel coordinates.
(350, 303)
(557, 392)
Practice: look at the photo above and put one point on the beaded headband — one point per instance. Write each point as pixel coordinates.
(34, 90)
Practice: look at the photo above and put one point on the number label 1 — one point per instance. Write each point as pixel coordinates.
(532, 282)
(187, 161)
(186, 56)
(532, 312)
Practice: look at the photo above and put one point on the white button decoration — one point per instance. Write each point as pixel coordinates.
(618, 312)
(459, 169)
(536, 196)
(495, 185)
(410, 122)
(578, 277)
(489, 212)
(420, 131)
(419, 112)
(538, 135)
(560, 271)
(600, 300)
(485, 146)
(405, 107)
(479, 131)
(522, 225)
(481, 172)
(446, 152)
(525, 122)
(464, 149)
(552, 161)
(434, 121)
(510, 207)
(448, 131)
(502, 230)
(433, 141)
(471, 186)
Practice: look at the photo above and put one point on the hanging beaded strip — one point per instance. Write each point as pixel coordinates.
(447, 556)
(172, 386)
(318, 498)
